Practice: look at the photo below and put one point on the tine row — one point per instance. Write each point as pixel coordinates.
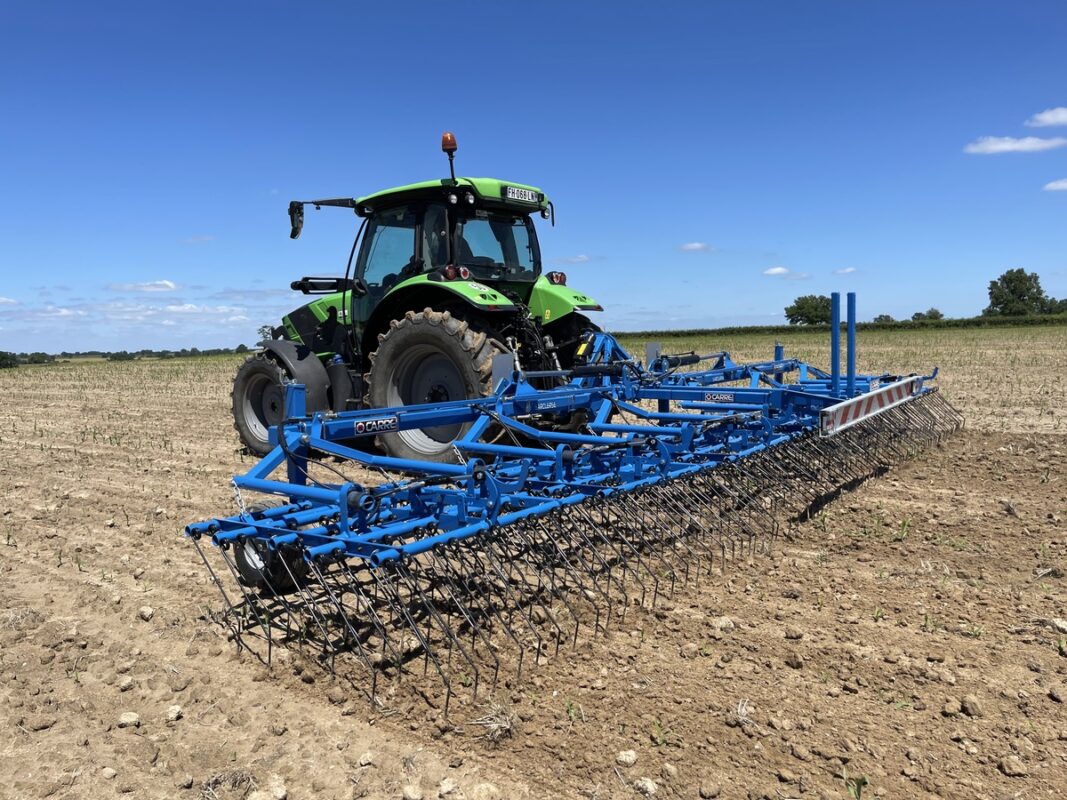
(532, 588)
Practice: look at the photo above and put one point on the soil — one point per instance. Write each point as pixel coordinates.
(910, 640)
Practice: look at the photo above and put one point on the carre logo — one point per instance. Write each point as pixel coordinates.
(364, 427)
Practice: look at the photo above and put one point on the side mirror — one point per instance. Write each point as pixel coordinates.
(296, 218)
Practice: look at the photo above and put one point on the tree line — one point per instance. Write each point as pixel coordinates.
(1016, 293)
(8, 360)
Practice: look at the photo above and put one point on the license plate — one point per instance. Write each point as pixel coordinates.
(522, 195)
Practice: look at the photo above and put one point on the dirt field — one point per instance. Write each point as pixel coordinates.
(912, 635)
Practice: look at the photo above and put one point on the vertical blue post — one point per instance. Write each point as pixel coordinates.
(851, 356)
(779, 355)
(835, 343)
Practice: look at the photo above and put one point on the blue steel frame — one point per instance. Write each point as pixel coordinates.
(702, 420)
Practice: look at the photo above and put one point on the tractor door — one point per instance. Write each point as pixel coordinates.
(386, 257)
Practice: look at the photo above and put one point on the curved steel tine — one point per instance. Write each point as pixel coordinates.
(576, 572)
(466, 598)
(598, 527)
(251, 603)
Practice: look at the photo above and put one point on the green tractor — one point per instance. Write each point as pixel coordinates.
(443, 276)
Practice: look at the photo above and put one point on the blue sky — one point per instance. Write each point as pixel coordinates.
(149, 152)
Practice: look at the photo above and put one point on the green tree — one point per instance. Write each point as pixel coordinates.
(1017, 293)
(8, 360)
(241, 348)
(811, 309)
(884, 318)
(265, 332)
(929, 314)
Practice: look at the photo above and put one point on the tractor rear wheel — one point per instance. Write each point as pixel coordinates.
(429, 357)
(258, 400)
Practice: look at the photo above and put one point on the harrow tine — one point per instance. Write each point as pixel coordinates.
(231, 612)
(637, 543)
(466, 598)
(576, 525)
(353, 637)
(367, 611)
(617, 543)
(575, 571)
(527, 553)
(250, 605)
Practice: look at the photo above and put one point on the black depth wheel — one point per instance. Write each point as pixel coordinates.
(264, 569)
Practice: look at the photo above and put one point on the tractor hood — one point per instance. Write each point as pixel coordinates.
(477, 294)
(550, 301)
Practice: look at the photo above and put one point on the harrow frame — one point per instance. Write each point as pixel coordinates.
(672, 472)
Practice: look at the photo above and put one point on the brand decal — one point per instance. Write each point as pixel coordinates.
(718, 397)
(479, 287)
(366, 426)
(547, 404)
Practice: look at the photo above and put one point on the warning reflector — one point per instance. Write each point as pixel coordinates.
(847, 413)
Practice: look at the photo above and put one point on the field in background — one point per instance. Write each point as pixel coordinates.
(905, 634)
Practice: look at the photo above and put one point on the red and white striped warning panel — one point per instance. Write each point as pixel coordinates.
(848, 412)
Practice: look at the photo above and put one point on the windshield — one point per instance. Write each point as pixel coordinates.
(497, 247)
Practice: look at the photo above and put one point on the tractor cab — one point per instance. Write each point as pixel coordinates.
(442, 276)
(473, 230)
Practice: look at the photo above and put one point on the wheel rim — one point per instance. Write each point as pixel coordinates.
(252, 556)
(423, 374)
(263, 405)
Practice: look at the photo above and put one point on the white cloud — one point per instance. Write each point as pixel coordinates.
(986, 145)
(192, 308)
(1048, 118)
(845, 271)
(147, 286)
(776, 271)
(573, 260)
(1057, 186)
(7, 301)
(695, 247)
(57, 311)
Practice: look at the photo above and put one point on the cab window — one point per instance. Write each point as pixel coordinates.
(500, 246)
(389, 252)
(434, 237)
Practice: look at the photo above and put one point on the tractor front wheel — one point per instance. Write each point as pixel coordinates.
(429, 357)
(258, 401)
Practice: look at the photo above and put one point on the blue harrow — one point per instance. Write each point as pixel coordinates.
(575, 496)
